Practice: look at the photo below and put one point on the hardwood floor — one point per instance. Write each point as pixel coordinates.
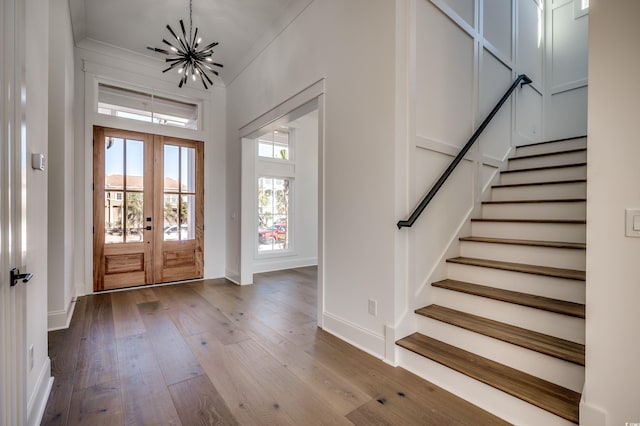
(211, 352)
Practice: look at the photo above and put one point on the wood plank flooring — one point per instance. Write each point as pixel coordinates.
(210, 352)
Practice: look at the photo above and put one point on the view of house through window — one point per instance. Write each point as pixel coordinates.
(124, 186)
(274, 199)
(179, 192)
(123, 196)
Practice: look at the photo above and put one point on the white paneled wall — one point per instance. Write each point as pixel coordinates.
(466, 54)
(566, 70)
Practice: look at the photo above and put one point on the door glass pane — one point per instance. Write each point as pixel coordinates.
(114, 163)
(187, 217)
(273, 213)
(187, 169)
(135, 165)
(171, 169)
(171, 217)
(134, 217)
(113, 202)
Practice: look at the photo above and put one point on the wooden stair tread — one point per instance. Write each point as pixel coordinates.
(532, 169)
(570, 274)
(547, 154)
(534, 243)
(561, 200)
(533, 340)
(559, 221)
(538, 302)
(552, 141)
(553, 182)
(541, 393)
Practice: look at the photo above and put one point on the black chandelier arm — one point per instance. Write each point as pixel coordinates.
(203, 76)
(176, 37)
(194, 39)
(172, 66)
(155, 49)
(211, 70)
(203, 73)
(184, 34)
(211, 46)
(168, 43)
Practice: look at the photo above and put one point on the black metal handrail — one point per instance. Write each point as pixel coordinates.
(522, 79)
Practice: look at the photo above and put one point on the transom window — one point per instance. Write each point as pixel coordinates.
(275, 145)
(141, 106)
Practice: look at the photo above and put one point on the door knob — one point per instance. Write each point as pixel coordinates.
(15, 275)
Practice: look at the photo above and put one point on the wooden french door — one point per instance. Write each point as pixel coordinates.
(147, 209)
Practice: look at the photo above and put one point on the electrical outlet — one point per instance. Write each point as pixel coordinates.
(30, 357)
(373, 307)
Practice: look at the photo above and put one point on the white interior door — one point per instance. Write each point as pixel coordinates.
(12, 195)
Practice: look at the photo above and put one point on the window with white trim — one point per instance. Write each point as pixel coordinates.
(274, 202)
(275, 145)
(275, 172)
(142, 106)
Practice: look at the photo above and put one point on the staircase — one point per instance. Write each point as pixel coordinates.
(506, 328)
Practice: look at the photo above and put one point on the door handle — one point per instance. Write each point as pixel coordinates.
(148, 228)
(15, 275)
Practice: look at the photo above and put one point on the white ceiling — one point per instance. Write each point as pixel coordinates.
(242, 27)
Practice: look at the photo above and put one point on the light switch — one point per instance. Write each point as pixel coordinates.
(632, 228)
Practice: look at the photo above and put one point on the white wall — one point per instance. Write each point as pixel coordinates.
(60, 165)
(36, 96)
(96, 62)
(352, 45)
(611, 391)
(304, 234)
(464, 57)
(566, 70)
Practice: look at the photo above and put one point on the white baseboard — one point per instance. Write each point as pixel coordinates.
(40, 396)
(232, 276)
(371, 343)
(591, 415)
(58, 320)
(278, 264)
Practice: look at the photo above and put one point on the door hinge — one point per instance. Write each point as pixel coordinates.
(93, 229)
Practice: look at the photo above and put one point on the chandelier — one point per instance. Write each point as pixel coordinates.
(184, 54)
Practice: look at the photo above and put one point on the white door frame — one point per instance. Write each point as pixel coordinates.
(13, 407)
(247, 134)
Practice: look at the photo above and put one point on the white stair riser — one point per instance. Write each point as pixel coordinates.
(559, 210)
(548, 160)
(563, 373)
(539, 285)
(554, 191)
(563, 232)
(551, 147)
(557, 325)
(566, 258)
(544, 175)
(505, 406)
